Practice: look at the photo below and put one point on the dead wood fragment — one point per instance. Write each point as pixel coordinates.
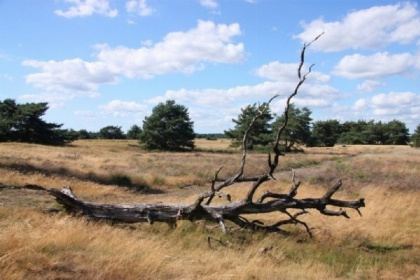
(233, 211)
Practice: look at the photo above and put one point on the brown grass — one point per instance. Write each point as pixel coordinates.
(34, 244)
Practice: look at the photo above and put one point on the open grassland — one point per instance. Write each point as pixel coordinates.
(37, 244)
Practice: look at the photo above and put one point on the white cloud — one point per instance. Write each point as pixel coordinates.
(404, 106)
(82, 8)
(54, 100)
(369, 85)
(139, 7)
(360, 104)
(211, 4)
(72, 76)
(288, 72)
(183, 52)
(118, 108)
(359, 66)
(259, 92)
(370, 28)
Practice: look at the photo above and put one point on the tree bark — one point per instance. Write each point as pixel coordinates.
(231, 211)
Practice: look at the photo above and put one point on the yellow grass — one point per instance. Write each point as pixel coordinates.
(34, 244)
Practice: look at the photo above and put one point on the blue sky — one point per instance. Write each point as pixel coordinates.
(109, 62)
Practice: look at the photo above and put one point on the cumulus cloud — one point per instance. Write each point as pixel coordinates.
(263, 91)
(183, 52)
(287, 72)
(72, 76)
(54, 100)
(369, 85)
(404, 106)
(369, 28)
(139, 7)
(378, 65)
(118, 108)
(82, 8)
(211, 4)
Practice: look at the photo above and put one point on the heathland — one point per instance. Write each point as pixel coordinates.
(39, 241)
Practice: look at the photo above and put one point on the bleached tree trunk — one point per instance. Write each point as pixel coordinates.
(202, 208)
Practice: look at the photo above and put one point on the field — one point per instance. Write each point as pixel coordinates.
(38, 243)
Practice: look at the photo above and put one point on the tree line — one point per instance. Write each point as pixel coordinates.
(169, 127)
(302, 131)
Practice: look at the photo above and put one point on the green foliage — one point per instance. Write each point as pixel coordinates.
(396, 133)
(415, 138)
(260, 133)
(210, 136)
(363, 132)
(111, 132)
(326, 133)
(134, 132)
(23, 123)
(168, 128)
(298, 130)
(84, 134)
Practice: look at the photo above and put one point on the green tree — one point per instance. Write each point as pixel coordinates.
(23, 123)
(415, 138)
(260, 133)
(396, 133)
(298, 129)
(354, 132)
(111, 132)
(83, 134)
(326, 133)
(168, 128)
(134, 132)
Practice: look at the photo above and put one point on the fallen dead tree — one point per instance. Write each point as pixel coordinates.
(202, 208)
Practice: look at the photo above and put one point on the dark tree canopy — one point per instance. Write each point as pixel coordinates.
(415, 138)
(260, 133)
(396, 133)
(369, 132)
(298, 130)
(134, 132)
(326, 133)
(111, 132)
(23, 123)
(168, 128)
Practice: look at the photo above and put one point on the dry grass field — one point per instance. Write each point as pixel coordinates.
(38, 244)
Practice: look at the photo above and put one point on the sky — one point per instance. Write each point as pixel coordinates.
(109, 62)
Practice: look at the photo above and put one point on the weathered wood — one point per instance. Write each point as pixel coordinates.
(231, 211)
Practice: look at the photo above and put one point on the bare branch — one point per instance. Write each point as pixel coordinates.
(231, 211)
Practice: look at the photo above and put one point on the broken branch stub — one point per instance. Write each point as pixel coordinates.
(235, 211)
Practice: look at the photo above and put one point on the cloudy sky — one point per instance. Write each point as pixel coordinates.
(109, 62)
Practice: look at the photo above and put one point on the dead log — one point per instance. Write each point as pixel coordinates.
(233, 211)
(236, 211)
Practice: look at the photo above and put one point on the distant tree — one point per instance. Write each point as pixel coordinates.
(396, 133)
(354, 132)
(260, 133)
(23, 123)
(111, 132)
(415, 138)
(84, 134)
(326, 133)
(134, 132)
(298, 130)
(168, 128)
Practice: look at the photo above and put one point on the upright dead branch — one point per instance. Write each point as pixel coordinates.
(235, 211)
